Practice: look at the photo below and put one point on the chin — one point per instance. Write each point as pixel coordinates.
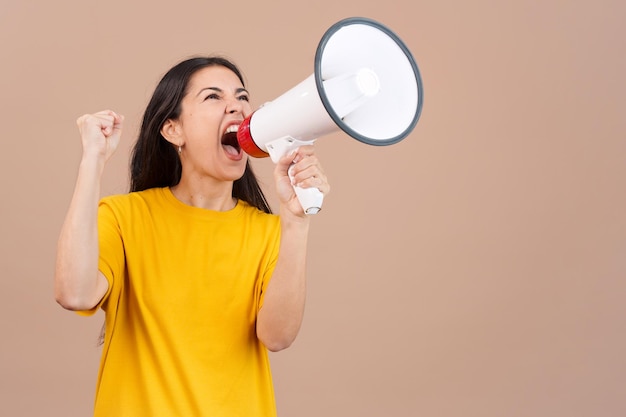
(236, 175)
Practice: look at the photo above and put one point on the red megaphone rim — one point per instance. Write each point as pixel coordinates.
(247, 144)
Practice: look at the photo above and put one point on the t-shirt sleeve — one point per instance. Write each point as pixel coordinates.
(111, 262)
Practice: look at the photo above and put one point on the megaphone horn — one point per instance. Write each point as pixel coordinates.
(365, 82)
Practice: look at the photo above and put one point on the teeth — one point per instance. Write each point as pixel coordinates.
(232, 129)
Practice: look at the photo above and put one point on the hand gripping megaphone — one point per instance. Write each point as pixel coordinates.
(365, 82)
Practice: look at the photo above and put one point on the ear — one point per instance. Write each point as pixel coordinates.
(171, 132)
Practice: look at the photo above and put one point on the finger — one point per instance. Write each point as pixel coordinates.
(286, 163)
(116, 118)
(287, 160)
(303, 152)
(107, 114)
(307, 167)
(299, 173)
(321, 183)
(311, 177)
(118, 121)
(108, 121)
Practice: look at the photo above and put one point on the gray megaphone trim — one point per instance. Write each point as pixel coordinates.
(325, 100)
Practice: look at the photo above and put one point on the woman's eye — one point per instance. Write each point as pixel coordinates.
(212, 97)
(244, 98)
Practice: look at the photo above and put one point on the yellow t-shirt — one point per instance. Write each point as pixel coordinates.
(185, 286)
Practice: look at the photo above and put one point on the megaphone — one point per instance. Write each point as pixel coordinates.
(365, 82)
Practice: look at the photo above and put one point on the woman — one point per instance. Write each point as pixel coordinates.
(196, 277)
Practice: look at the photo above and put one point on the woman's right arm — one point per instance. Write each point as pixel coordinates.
(78, 285)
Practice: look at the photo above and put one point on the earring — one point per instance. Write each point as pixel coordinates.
(180, 149)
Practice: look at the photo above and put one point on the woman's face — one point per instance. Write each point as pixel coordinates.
(213, 108)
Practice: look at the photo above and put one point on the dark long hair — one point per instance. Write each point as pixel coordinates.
(154, 160)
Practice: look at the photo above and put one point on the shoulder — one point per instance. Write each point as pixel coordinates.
(133, 197)
(259, 217)
(132, 200)
(255, 212)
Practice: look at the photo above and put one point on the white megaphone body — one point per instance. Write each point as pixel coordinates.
(365, 82)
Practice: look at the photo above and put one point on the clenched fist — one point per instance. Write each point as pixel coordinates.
(100, 133)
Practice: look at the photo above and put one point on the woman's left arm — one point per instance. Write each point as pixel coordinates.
(279, 320)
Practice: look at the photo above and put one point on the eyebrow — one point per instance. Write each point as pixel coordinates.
(219, 90)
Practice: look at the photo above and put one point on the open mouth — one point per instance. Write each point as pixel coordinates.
(230, 142)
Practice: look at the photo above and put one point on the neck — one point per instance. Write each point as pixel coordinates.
(215, 196)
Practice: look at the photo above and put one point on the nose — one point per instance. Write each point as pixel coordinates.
(234, 106)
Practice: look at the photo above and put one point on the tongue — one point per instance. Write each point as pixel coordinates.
(231, 150)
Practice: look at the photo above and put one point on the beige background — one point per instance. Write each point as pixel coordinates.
(474, 269)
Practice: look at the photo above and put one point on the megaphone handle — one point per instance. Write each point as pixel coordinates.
(310, 199)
